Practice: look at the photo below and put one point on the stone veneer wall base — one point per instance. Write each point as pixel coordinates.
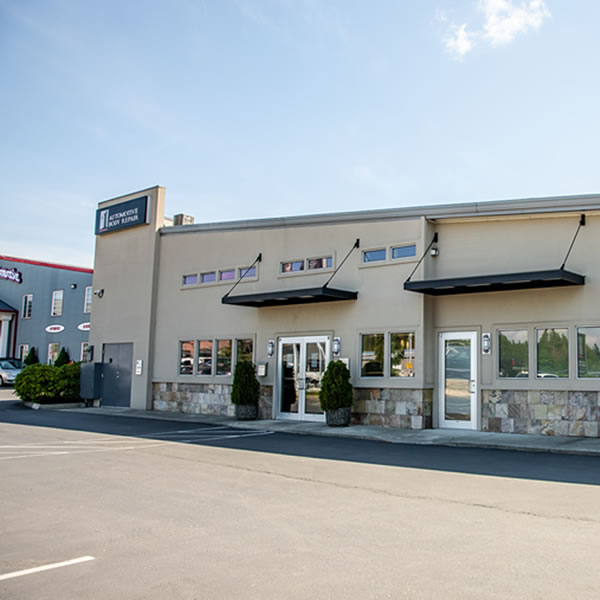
(546, 412)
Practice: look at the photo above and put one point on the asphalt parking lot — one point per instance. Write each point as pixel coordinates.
(98, 506)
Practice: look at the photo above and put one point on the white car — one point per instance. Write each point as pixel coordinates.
(9, 369)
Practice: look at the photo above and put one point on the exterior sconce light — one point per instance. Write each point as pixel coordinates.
(73, 286)
(99, 293)
(337, 346)
(486, 343)
(270, 348)
(435, 251)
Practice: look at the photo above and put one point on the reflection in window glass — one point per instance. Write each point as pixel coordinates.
(208, 277)
(404, 251)
(292, 267)
(186, 357)
(324, 262)
(373, 255)
(244, 350)
(190, 279)
(53, 350)
(205, 357)
(224, 357)
(588, 351)
(57, 303)
(513, 353)
(402, 354)
(227, 275)
(247, 272)
(371, 355)
(552, 353)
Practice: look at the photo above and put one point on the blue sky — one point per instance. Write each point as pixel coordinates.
(253, 108)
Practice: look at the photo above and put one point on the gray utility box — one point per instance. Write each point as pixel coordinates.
(90, 385)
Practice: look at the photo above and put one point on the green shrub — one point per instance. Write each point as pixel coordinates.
(62, 358)
(336, 389)
(38, 383)
(246, 387)
(69, 381)
(31, 358)
(47, 384)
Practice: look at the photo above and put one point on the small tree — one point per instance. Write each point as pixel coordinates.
(246, 387)
(31, 358)
(336, 389)
(62, 359)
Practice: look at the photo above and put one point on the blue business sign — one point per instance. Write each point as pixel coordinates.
(123, 215)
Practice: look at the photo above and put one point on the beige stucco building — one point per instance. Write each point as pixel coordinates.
(462, 315)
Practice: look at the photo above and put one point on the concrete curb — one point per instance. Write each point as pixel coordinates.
(427, 437)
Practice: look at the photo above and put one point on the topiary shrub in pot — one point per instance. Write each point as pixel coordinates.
(336, 394)
(245, 391)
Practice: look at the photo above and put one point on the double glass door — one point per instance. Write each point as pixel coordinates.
(302, 364)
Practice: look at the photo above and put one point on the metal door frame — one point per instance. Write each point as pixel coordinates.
(301, 415)
(473, 423)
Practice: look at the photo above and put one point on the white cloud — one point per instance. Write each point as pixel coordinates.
(503, 21)
(459, 41)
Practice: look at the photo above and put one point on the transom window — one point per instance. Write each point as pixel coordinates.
(307, 264)
(370, 256)
(228, 275)
(209, 277)
(190, 279)
(403, 251)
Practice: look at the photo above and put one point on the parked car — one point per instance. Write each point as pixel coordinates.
(9, 369)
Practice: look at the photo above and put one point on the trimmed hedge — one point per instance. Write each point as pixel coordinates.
(47, 384)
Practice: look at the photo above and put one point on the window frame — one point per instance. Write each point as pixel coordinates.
(50, 344)
(360, 355)
(27, 298)
(55, 294)
(88, 295)
(408, 332)
(542, 328)
(499, 330)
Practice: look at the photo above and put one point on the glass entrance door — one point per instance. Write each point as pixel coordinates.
(302, 363)
(458, 380)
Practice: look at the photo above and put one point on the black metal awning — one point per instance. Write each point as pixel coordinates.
(496, 283)
(287, 297)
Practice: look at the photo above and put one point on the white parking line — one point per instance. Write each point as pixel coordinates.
(66, 563)
(223, 437)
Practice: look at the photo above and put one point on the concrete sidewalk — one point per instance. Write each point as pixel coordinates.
(426, 437)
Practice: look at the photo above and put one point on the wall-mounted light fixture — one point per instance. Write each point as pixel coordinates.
(337, 346)
(486, 343)
(73, 286)
(270, 348)
(99, 293)
(435, 251)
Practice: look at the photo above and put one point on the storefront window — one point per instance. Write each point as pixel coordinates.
(371, 355)
(224, 357)
(588, 352)
(552, 353)
(244, 350)
(186, 357)
(513, 353)
(402, 354)
(205, 357)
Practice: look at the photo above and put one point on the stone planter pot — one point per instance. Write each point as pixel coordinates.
(339, 417)
(246, 412)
